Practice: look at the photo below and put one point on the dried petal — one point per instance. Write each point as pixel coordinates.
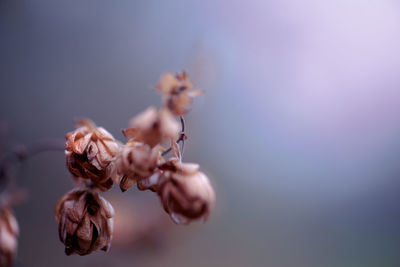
(85, 123)
(169, 127)
(151, 183)
(127, 182)
(168, 83)
(9, 232)
(176, 152)
(130, 133)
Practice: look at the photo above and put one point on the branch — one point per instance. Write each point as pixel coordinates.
(182, 138)
(21, 153)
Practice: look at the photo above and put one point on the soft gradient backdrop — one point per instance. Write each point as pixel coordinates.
(299, 129)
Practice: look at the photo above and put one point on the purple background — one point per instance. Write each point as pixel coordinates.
(299, 129)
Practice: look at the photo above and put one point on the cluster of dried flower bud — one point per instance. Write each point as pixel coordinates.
(9, 232)
(85, 221)
(97, 161)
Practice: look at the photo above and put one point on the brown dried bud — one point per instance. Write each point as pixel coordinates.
(9, 232)
(152, 127)
(185, 192)
(136, 162)
(175, 88)
(90, 154)
(85, 222)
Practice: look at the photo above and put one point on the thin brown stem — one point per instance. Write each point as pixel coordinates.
(182, 137)
(24, 152)
(21, 153)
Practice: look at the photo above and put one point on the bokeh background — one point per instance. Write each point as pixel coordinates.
(299, 129)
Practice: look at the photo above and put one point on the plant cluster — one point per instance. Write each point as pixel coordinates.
(97, 161)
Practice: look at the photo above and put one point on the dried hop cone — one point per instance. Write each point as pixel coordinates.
(153, 126)
(90, 154)
(136, 162)
(178, 98)
(8, 237)
(185, 192)
(85, 221)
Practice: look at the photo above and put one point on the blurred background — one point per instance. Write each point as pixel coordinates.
(299, 129)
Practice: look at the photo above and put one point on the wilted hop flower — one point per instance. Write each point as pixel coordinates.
(85, 222)
(185, 192)
(90, 154)
(153, 126)
(136, 162)
(177, 96)
(8, 237)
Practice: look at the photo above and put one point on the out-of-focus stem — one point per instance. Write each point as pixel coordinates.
(182, 138)
(21, 153)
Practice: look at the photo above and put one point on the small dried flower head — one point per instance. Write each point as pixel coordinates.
(85, 221)
(9, 232)
(153, 182)
(90, 154)
(186, 193)
(152, 127)
(175, 88)
(136, 162)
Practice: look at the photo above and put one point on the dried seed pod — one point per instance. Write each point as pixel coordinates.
(177, 96)
(85, 221)
(185, 192)
(90, 154)
(152, 127)
(136, 162)
(9, 232)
